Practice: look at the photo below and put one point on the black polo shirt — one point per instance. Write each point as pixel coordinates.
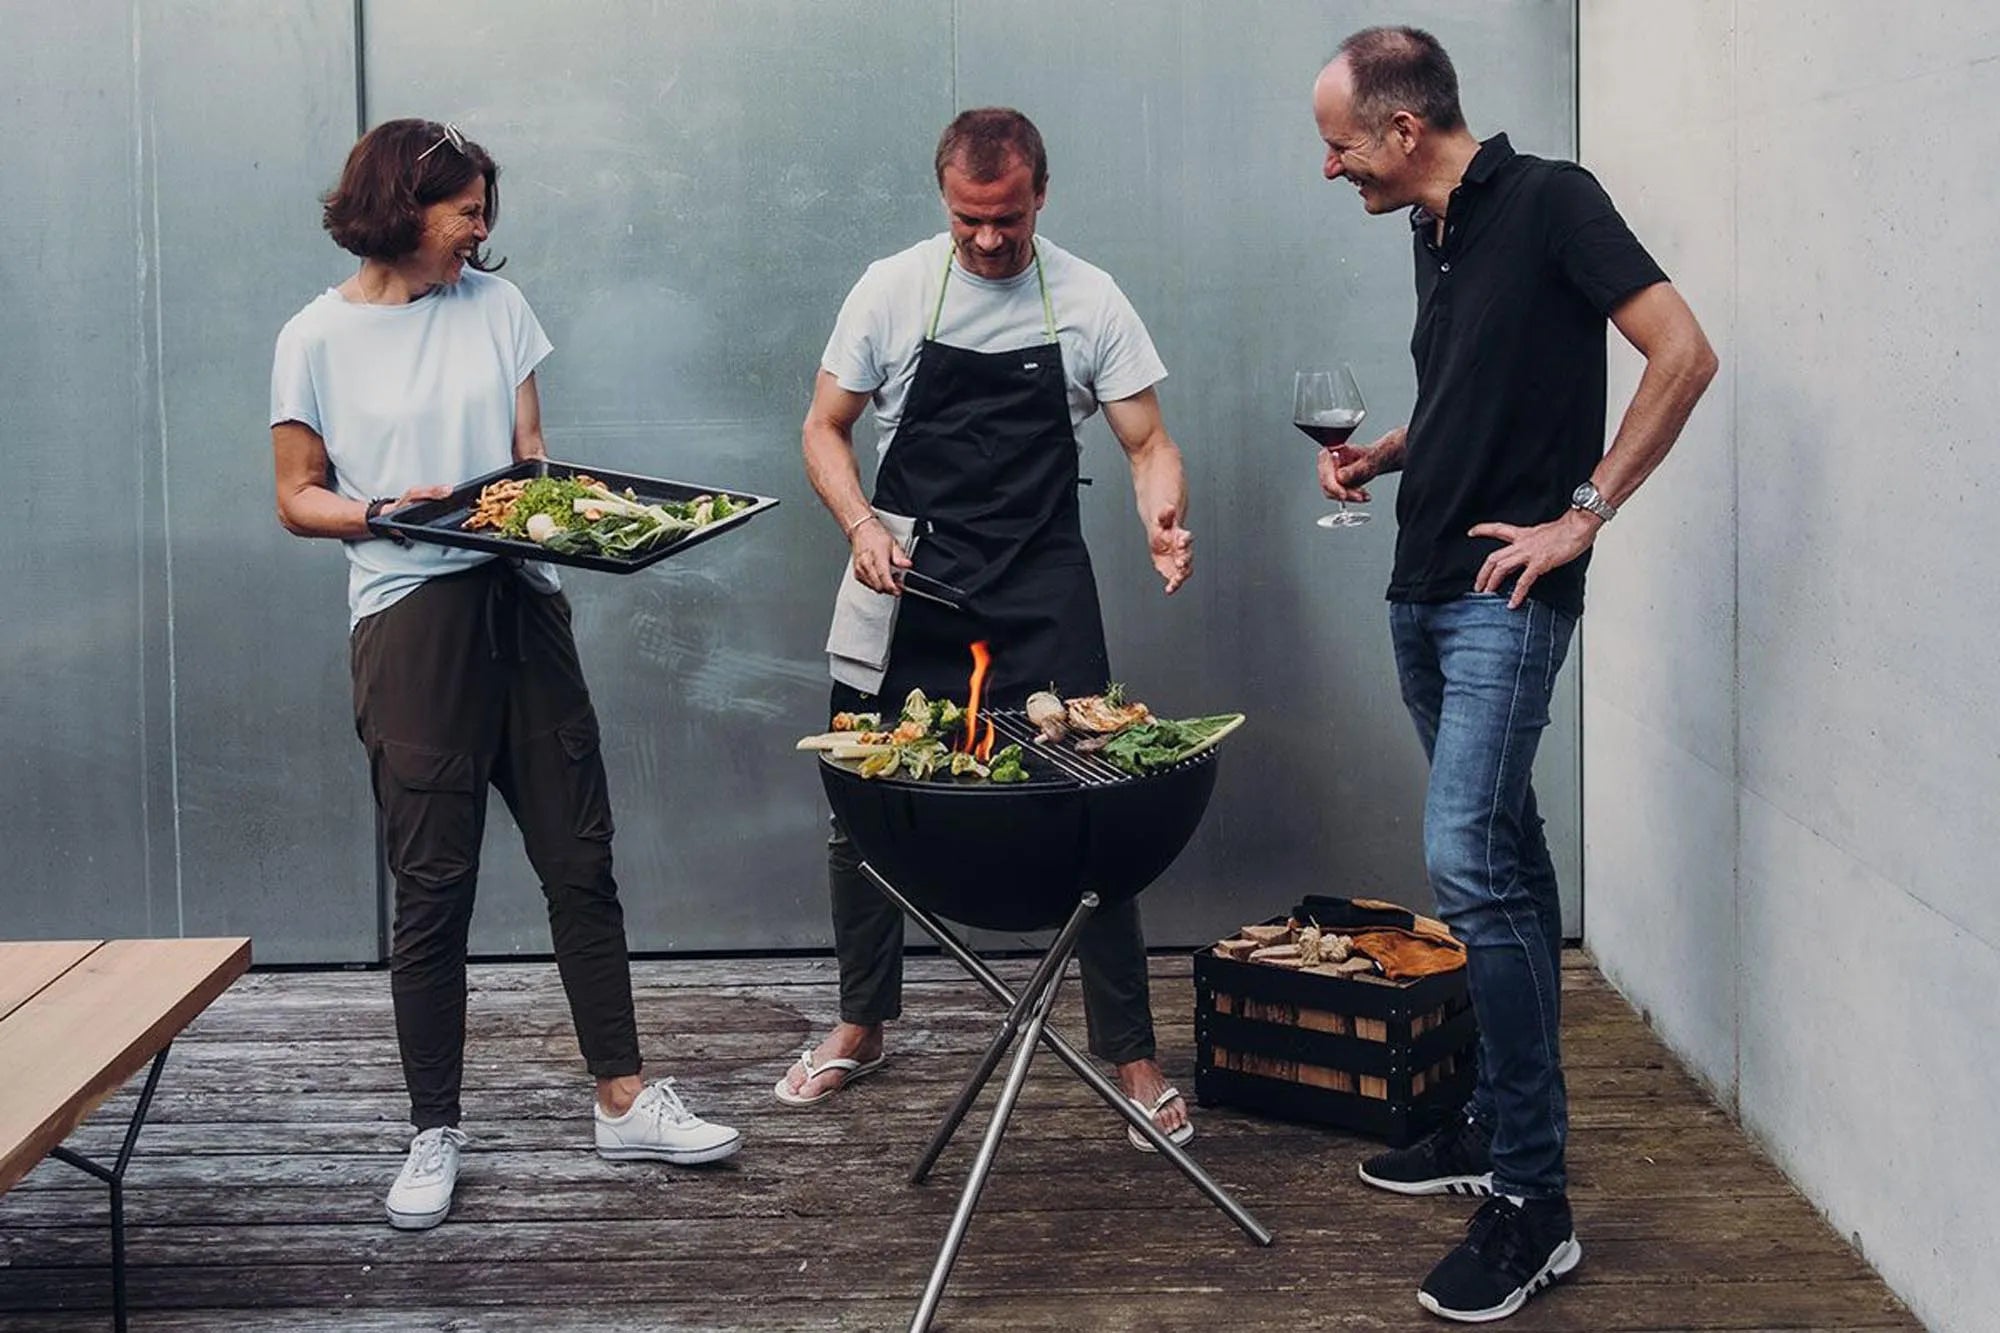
(1510, 353)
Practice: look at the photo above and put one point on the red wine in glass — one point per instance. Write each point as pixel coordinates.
(1328, 429)
(1327, 406)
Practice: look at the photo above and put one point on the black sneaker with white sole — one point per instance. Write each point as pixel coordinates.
(1510, 1252)
(1456, 1158)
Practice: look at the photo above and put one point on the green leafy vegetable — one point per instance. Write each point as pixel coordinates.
(591, 519)
(554, 496)
(1162, 743)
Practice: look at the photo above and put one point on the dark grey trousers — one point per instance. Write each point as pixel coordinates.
(868, 938)
(469, 681)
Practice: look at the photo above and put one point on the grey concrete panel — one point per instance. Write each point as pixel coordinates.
(1660, 684)
(688, 191)
(249, 111)
(1849, 712)
(84, 800)
(1867, 678)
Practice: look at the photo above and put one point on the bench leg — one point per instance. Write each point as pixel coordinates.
(114, 1176)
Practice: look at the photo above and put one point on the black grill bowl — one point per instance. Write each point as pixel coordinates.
(1001, 857)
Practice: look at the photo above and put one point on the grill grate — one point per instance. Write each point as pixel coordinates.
(1087, 769)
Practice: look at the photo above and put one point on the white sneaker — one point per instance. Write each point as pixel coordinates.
(658, 1127)
(421, 1195)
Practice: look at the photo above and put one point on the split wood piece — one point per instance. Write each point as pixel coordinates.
(1278, 955)
(1320, 1020)
(1266, 934)
(1269, 1011)
(1271, 1067)
(1319, 1076)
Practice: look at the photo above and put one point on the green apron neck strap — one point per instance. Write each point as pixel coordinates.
(943, 282)
(1041, 281)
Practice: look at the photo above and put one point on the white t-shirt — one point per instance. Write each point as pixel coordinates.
(409, 395)
(1107, 353)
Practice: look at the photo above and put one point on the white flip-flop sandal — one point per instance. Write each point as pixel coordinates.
(853, 1069)
(1177, 1138)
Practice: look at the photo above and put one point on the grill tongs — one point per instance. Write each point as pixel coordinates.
(932, 590)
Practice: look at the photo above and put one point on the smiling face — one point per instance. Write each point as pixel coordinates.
(453, 229)
(993, 222)
(1376, 160)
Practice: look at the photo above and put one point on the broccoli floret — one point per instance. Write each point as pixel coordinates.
(945, 715)
(1007, 766)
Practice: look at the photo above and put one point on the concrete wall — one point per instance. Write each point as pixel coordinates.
(1790, 752)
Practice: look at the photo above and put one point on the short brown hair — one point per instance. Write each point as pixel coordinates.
(393, 173)
(987, 138)
(1402, 69)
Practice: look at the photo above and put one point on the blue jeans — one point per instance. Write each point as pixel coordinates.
(1476, 678)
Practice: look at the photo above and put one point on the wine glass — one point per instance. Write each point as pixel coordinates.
(1327, 406)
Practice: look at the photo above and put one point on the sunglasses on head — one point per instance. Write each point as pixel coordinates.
(452, 135)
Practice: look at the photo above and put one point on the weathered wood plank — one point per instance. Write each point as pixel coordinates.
(1603, 1095)
(1586, 1304)
(1378, 1244)
(1032, 1312)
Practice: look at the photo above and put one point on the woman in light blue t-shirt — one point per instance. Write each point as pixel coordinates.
(414, 374)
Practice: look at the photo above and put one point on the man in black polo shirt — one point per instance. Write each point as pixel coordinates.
(1506, 484)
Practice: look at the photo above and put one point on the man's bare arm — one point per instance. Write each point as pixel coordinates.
(836, 479)
(1159, 482)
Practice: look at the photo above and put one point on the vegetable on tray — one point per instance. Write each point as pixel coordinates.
(581, 516)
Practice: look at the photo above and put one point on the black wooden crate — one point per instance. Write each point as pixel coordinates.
(1391, 1059)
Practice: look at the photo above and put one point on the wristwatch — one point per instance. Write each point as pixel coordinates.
(1585, 497)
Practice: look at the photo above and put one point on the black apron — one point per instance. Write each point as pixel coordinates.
(985, 460)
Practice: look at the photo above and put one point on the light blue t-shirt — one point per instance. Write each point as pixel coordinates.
(1107, 353)
(409, 395)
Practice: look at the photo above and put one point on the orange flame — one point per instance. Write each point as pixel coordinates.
(981, 660)
(985, 751)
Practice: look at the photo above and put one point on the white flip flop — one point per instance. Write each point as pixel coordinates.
(853, 1069)
(1177, 1138)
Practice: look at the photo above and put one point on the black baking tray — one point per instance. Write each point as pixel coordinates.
(442, 522)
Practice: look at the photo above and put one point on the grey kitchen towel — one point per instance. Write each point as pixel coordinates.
(864, 621)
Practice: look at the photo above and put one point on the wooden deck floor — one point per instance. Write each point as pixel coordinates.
(255, 1200)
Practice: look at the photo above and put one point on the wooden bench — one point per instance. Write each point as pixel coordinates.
(77, 1019)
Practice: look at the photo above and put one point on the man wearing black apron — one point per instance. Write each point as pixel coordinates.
(982, 453)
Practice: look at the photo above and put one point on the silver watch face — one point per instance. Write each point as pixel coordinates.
(1583, 495)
